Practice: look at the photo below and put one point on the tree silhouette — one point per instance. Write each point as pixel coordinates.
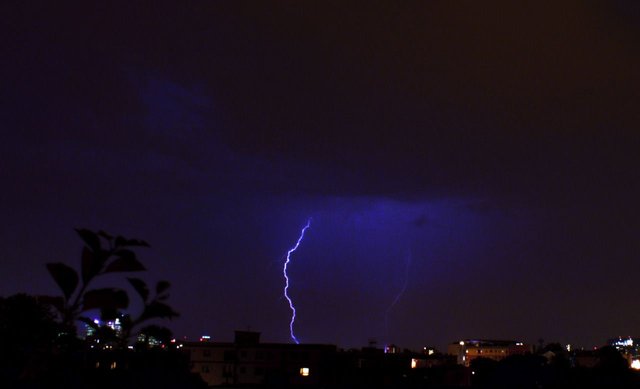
(104, 254)
(39, 347)
(28, 333)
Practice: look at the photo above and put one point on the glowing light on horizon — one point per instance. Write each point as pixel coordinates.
(286, 278)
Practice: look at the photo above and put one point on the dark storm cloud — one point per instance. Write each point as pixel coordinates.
(431, 97)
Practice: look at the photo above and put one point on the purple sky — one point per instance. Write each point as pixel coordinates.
(497, 142)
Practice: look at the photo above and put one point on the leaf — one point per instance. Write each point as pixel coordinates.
(158, 310)
(137, 242)
(105, 298)
(123, 242)
(105, 235)
(126, 322)
(120, 241)
(90, 238)
(56, 302)
(162, 286)
(140, 287)
(86, 264)
(88, 322)
(65, 276)
(108, 314)
(124, 253)
(90, 264)
(125, 261)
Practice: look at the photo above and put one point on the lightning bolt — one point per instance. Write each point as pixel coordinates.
(400, 293)
(286, 278)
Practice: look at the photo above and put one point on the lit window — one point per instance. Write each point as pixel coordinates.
(414, 363)
(635, 364)
(304, 371)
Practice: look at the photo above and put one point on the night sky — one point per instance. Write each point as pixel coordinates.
(482, 156)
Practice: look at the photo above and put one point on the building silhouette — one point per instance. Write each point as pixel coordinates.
(247, 361)
(469, 349)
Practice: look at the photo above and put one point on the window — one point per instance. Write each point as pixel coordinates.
(205, 368)
(259, 371)
(304, 371)
(206, 353)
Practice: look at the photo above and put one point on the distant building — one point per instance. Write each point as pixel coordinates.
(246, 361)
(626, 345)
(115, 325)
(629, 348)
(101, 334)
(469, 349)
